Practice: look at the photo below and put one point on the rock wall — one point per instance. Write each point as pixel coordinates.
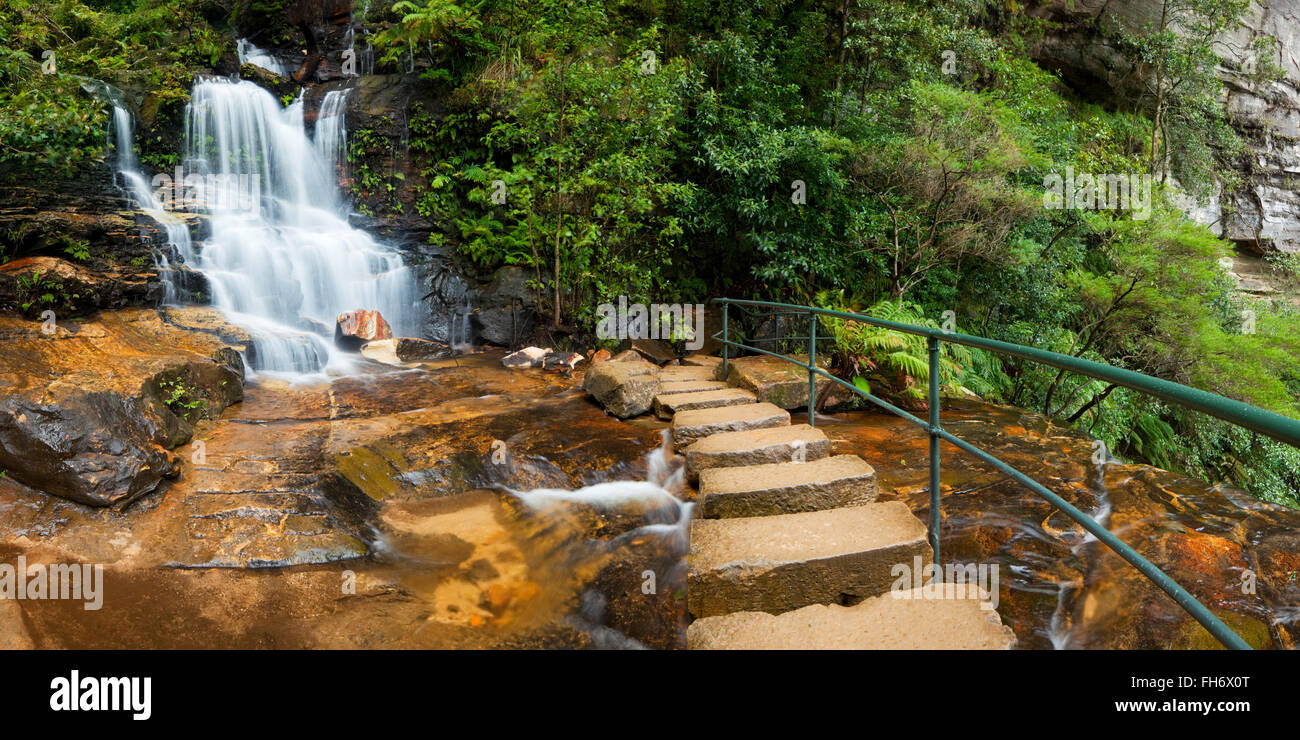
(1264, 214)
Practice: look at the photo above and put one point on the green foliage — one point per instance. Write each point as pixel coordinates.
(183, 400)
(892, 362)
(48, 123)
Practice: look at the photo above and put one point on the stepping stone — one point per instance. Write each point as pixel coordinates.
(690, 386)
(624, 388)
(958, 620)
(756, 447)
(780, 563)
(702, 360)
(689, 426)
(667, 405)
(709, 361)
(787, 487)
(674, 373)
(773, 380)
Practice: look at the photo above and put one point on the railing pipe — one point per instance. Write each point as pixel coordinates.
(932, 345)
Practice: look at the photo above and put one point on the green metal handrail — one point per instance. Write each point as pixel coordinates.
(1276, 426)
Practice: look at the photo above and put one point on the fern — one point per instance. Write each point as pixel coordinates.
(896, 362)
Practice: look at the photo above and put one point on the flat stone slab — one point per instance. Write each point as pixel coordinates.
(698, 360)
(950, 618)
(787, 487)
(674, 373)
(756, 447)
(625, 388)
(690, 386)
(774, 380)
(690, 426)
(780, 563)
(667, 405)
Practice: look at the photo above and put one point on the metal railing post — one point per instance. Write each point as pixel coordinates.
(932, 343)
(812, 369)
(726, 337)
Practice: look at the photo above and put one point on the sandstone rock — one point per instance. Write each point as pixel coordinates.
(90, 411)
(654, 350)
(667, 404)
(526, 357)
(409, 349)
(355, 328)
(953, 620)
(690, 426)
(774, 380)
(34, 284)
(779, 563)
(625, 388)
(756, 447)
(786, 487)
(600, 355)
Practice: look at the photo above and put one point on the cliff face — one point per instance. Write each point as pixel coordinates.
(1264, 213)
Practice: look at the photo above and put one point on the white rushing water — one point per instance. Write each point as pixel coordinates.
(331, 136)
(281, 259)
(251, 54)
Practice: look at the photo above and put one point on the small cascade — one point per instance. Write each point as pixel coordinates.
(331, 137)
(175, 280)
(460, 332)
(251, 54)
(1059, 629)
(660, 535)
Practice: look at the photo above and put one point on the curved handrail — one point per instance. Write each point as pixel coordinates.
(1281, 428)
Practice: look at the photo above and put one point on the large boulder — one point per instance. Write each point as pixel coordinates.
(354, 328)
(624, 388)
(90, 410)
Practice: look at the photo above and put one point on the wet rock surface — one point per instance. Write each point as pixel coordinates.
(1058, 586)
(91, 409)
(389, 481)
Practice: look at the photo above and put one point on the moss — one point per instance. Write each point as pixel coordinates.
(373, 469)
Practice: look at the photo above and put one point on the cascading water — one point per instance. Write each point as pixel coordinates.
(287, 266)
(331, 137)
(1059, 629)
(128, 168)
(282, 260)
(250, 54)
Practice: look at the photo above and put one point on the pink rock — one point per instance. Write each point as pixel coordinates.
(354, 328)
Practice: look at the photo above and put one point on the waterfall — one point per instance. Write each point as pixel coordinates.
(128, 169)
(285, 268)
(331, 136)
(281, 260)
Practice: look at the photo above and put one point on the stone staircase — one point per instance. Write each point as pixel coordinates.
(789, 547)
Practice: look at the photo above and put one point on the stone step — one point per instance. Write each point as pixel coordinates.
(756, 447)
(958, 620)
(779, 563)
(708, 361)
(675, 373)
(690, 386)
(669, 404)
(778, 382)
(689, 426)
(786, 487)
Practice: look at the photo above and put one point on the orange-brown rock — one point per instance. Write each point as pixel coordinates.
(354, 328)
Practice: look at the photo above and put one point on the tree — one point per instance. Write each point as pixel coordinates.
(942, 190)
